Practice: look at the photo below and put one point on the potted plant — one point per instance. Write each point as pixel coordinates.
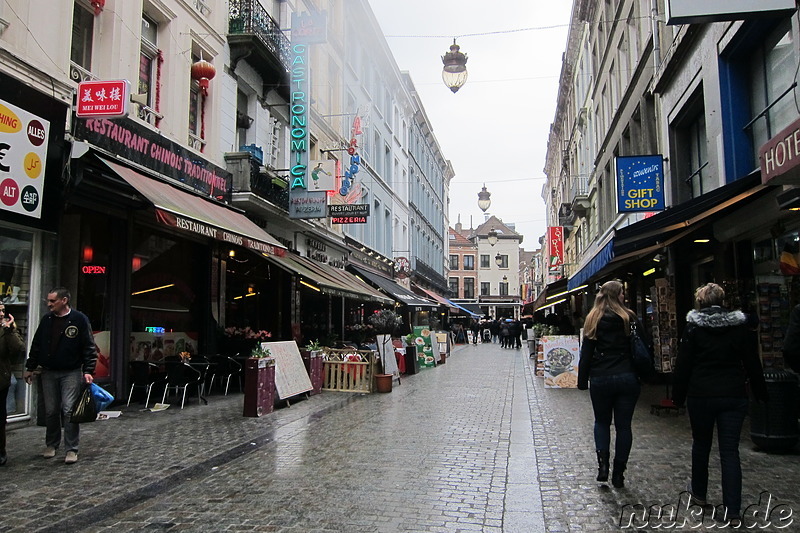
(385, 322)
(259, 382)
(312, 359)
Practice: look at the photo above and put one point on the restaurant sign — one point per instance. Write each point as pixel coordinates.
(779, 157)
(555, 247)
(208, 230)
(640, 183)
(103, 99)
(135, 143)
(350, 210)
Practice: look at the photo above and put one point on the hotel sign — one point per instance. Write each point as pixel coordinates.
(779, 157)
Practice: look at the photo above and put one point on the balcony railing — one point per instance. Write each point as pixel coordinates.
(580, 187)
(250, 17)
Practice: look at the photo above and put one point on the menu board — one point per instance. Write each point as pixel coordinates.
(561, 355)
(291, 376)
(424, 347)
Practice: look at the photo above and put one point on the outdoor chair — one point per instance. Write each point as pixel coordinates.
(180, 377)
(144, 374)
(225, 368)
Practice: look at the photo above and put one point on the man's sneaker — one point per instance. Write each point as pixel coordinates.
(694, 500)
(49, 452)
(72, 458)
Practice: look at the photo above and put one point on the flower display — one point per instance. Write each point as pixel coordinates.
(185, 356)
(247, 333)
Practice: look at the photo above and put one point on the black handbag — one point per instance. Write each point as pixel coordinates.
(640, 353)
(84, 410)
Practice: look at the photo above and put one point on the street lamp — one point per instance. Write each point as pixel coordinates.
(454, 73)
(492, 237)
(484, 200)
(498, 259)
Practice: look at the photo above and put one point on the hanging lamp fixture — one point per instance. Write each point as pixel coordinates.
(454, 73)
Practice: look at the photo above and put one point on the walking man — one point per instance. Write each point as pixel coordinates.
(63, 350)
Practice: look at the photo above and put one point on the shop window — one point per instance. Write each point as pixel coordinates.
(165, 286)
(82, 38)
(94, 244)
(148, 71)
(453, 286)
(772, 72)
(469, 288)
(469, 262)
(15, 283)
(453, 262)
(485, 261)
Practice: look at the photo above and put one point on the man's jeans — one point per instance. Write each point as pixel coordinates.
(614, 397)
(728, 415)
(61, 389)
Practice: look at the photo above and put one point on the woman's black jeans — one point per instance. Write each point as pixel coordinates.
(728, 415)
(614, 398)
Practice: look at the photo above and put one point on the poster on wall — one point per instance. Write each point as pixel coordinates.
(155, 345)
(424, 347)
(23, 155)
(561, 355)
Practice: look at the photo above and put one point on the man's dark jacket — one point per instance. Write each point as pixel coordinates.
(75, 347)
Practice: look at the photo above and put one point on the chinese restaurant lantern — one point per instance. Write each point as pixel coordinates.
(98, 6)
(203, 72)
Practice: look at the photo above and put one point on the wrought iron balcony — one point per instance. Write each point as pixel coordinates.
(579, 195)
(250, 176)
(253, 34)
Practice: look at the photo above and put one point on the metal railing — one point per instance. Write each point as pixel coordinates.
(579, 187)
(250, 17)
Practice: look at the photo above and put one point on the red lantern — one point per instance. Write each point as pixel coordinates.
(203, 72)
(98, 6)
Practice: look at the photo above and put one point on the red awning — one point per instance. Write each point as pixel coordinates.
(188, 212)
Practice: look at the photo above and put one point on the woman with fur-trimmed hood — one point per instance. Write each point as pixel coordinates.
(717, 356)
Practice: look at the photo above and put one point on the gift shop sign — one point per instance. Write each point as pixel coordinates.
(23, 154)
(103, 99)
(780, 157)
(640, 183)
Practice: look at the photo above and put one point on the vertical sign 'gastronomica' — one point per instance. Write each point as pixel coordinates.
(23, 154)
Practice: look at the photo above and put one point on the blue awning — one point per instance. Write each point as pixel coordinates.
(470, 313)
(601, 259)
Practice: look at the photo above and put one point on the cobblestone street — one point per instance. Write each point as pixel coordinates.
(477, 444)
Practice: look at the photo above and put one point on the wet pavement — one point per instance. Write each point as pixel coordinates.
(477, 444)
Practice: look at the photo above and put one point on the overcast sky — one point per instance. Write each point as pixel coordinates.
(495, 128)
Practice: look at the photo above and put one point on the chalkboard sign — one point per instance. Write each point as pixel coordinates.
(291, 377)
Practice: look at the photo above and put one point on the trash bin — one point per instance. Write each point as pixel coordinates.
(259, 386)
(773, 425)
(412, 362)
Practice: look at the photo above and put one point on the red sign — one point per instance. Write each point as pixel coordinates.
(93, 269)
(348, 220)
(555, 246)
(107, 99)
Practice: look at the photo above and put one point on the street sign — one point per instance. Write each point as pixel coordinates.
(103, 99)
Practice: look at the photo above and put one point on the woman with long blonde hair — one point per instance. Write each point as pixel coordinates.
(606, 362)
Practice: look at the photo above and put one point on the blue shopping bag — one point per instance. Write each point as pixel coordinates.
(102, 398)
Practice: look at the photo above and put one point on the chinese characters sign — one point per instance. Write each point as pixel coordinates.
(107, 99)
(23, 154)
(555, 246)
(640, 183)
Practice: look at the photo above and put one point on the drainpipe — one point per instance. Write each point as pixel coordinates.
(656, 33)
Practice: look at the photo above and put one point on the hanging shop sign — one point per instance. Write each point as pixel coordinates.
(103, 99)
(555, 247)
(323, 175)
(23, 155)
(303, 203)
(640, 183)
(310, 28)
(780, 157)
(348, 220)
(353, 210)
(138, 144)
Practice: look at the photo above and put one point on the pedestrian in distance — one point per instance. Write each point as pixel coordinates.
(494, 328)
(606, 362)
(63, 349)
(476, 330)
(12, 348)
(717, 356)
